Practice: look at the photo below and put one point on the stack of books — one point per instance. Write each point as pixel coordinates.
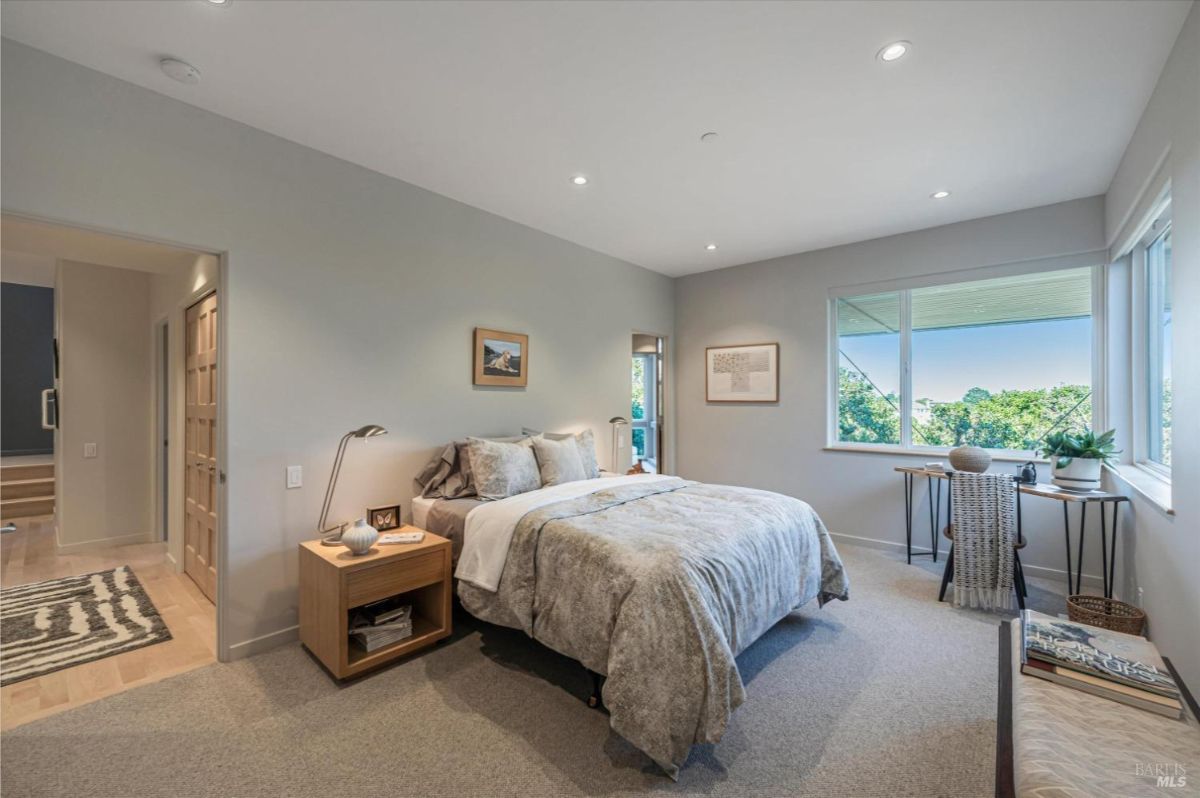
(380, 624)
(1113, 665)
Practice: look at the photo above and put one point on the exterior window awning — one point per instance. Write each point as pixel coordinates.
(1049, 296)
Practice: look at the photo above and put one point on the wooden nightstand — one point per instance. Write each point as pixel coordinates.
(333, 582)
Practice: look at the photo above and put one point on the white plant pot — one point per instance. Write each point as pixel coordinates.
(360, 537)
(1080, 474)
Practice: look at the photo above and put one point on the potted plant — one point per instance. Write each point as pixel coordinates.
(1077, 457)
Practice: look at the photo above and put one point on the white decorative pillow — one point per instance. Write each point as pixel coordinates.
(501, 469)
(558, 461)
(586, 442)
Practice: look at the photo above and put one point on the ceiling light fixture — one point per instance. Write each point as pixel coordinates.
(939, 195)
(709, 137)
(893, 52)
(711, 247)
(579, 180)
(181, 71)
(219, 2)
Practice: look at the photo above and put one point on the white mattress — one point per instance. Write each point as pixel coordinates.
(420, 510)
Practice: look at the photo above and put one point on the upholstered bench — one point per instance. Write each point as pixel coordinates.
(1056, 742)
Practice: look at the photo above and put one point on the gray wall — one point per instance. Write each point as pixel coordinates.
(350, 298)
(27, 362)
(1162, 551)
(781, 446)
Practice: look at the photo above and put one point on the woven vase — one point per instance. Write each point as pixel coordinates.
(970, 458)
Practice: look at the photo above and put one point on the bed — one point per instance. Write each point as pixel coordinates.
(655, 582)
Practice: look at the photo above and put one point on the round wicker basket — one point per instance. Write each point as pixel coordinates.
(970, 458)
(1106, 613)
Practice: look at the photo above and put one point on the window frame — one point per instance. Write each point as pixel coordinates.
(1095, 261)
(1158, 224)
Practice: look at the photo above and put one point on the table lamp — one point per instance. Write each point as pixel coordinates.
(332, 535)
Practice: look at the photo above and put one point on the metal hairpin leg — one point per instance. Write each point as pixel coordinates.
(1079, 561)
(937, 519)
(1104, 552)
(1112, 552)
(1067, 535)
(908, 489)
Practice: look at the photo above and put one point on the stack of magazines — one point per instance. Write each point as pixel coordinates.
(380, 624)
(1113, 665)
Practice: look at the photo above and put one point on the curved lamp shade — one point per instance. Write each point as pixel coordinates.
(618, 420)
(365, 431)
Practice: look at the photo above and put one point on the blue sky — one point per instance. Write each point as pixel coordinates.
(948, 363)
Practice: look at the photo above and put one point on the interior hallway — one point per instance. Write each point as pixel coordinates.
(30, 555)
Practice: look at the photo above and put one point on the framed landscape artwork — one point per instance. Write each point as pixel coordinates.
(501, 358)
(746, 373)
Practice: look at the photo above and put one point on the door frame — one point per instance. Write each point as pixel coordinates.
(221, 284)
(666, 429)
(163, 434)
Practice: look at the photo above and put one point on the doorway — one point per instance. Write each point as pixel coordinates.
(646, 405)
(119, 341)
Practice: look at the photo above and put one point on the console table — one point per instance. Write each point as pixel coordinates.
(1108, 542)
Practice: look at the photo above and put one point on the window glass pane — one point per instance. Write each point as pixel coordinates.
(869, 368)
(999, 363)
(1158, 273)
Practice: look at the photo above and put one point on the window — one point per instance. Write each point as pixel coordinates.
(996, 363)
(1157, 293)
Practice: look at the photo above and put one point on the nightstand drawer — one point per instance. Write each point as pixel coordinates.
(381, 581)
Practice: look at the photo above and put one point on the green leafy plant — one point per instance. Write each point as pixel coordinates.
(1063, 447)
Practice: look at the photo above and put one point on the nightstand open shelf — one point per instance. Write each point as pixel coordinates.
(334, 582)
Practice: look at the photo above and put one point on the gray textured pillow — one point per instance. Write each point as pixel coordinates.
(558, 461)
(586, 442)
(501, 470)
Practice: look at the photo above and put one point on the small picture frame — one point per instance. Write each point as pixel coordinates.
(501, 358)
(384, 518)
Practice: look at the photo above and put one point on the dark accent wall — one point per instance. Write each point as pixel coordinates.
(26, 367)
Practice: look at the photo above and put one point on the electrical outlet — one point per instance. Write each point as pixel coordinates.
(295, 476)
(89, 450)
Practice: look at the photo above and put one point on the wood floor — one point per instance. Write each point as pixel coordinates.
(29, 555)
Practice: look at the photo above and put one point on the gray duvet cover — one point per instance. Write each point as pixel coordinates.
(660, 587)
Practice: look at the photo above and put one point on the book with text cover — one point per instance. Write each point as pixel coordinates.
(1102, 654)
(1142, 699)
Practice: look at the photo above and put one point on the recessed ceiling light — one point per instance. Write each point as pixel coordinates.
(220, 2)
(711, 247)
(178, 70)
(579, 180)
(939, 195)
(894, 51)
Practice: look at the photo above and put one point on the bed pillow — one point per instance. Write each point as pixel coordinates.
(586, 442)
(558, 461)
(500, 470)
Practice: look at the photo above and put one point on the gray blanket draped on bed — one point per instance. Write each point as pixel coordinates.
(659, 587)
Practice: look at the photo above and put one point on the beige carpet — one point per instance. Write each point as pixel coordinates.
(888, 694)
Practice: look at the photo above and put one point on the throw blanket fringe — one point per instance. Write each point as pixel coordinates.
(984, 518)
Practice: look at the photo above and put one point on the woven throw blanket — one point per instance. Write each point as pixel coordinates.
(985, 523)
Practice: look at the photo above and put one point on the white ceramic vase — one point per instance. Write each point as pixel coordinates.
(1081, 473)
(360, 537)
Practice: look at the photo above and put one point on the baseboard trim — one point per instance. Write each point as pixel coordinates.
(1033, 570)
(120, 540)
(257, 645)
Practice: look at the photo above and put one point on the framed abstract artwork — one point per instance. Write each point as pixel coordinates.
(501, 358)
(745, 373)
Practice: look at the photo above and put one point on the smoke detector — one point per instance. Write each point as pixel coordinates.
(178, 70)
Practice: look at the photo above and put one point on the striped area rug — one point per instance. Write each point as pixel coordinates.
(48, 626)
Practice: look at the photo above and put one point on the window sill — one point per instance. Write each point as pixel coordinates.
(1150, 486)
(1002, 456)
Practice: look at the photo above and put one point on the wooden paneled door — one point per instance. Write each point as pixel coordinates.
(200, 447)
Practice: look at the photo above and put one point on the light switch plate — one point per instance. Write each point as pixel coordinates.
(295, 476)
(89, 450)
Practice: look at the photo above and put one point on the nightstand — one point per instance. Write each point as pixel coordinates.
(333, 582)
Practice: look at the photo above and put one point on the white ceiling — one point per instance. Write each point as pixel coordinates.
(1007, 104)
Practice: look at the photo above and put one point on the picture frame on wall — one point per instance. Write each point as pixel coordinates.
(501, 358)
(384, 518)
(742, 373)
